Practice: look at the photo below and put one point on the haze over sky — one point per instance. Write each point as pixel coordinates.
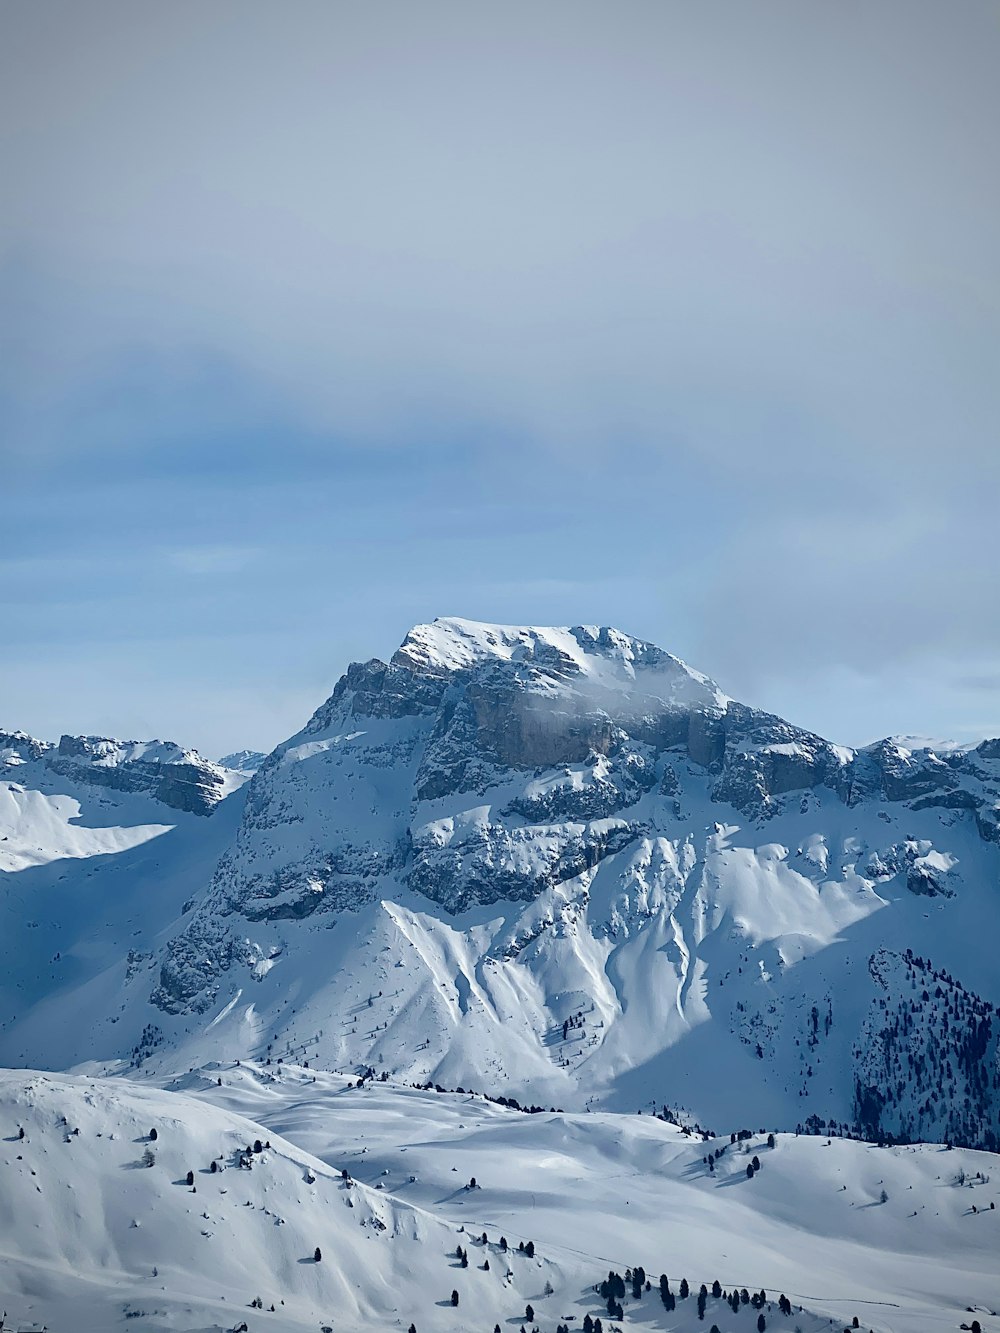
(318, 320)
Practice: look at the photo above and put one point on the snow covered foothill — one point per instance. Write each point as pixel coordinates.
(596, 1191)
(99, 1223)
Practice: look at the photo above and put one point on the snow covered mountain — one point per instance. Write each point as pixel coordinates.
(561, 865)
(243, 761)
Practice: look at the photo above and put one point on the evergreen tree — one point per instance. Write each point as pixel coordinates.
(190, 1177)
(152, 1134)
(761, 1323)
(529, 1314)
(685, 1289)
(454, 1298)
(317, 1255)
(716, 1289)
(529, 1249)
(702, 1301)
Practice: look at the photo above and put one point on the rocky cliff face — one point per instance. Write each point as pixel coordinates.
(180, 779)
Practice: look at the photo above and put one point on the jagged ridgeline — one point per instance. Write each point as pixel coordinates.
(177, 778)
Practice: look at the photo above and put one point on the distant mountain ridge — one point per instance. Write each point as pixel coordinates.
(181, 779)
(243, 761)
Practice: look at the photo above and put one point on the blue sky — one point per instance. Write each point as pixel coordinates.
(316, 323)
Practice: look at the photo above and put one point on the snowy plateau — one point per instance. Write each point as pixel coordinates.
(533, 982)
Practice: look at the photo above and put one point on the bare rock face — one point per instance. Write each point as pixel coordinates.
(17, 747)
(178, 778)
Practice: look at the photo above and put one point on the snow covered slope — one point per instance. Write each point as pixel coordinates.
(100, 1223)
(40, 781)
(101, 844)
(561, 865)
(93, 1239)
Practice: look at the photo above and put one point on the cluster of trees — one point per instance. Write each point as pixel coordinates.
(613, 1289)
(739, 1136)
(928, 1067)
(245, 1158)
(511, 1103)
(150, 1039)
(574, 1021)
(672, 1117)
(525, 1247)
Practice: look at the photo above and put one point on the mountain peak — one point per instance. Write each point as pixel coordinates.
(602, 655)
